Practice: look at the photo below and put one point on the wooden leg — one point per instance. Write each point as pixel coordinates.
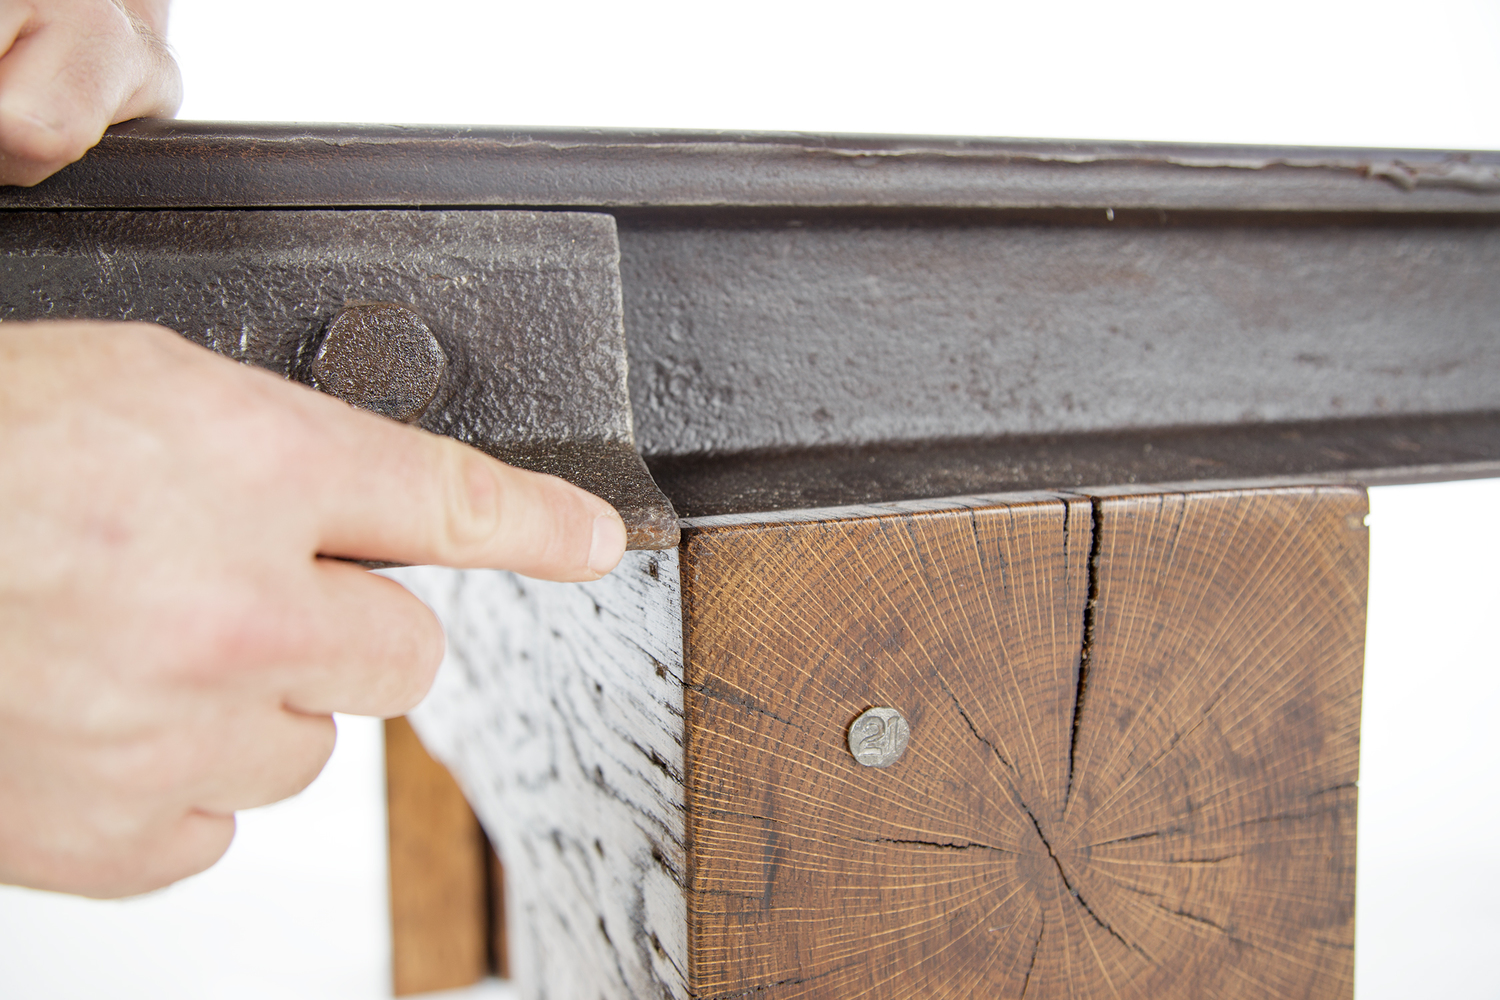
(499, 947)
(440, 885)
(1134, 742)
(1133, 747)
(561, 705)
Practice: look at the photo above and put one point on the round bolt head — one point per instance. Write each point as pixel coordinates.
(380, 356)
(878, 737)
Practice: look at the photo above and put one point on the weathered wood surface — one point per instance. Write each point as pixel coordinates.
(1137, 781)
(440, 913)
(560, 708)
(1134, 741)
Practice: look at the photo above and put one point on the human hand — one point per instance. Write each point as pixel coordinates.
(171, 641)
(72, 68)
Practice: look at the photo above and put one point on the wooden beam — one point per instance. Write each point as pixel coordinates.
(1138, 780)
(440, 910)
(561, 706)
(1133, 745)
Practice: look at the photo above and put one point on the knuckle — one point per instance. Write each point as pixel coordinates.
(109, 850)
(35, 150)
(234, 631)
(192, 845)
(405, 686)
(22, 173)
(306, 761)
(473, 497)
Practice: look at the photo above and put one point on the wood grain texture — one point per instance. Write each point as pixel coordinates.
(559, 707)
(1131, 772)
(440, 925)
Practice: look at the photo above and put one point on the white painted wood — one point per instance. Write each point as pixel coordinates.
(559, 708)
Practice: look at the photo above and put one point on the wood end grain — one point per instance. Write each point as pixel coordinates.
(1134, 743)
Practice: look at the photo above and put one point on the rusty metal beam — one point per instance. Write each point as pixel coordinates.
(168, 164)
(500, 329)
(834, 319)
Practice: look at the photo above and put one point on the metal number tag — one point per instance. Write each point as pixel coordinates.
(878, 737)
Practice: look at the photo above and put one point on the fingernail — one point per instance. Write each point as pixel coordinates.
(609, 543)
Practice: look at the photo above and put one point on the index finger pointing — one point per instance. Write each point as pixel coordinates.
(401, 494)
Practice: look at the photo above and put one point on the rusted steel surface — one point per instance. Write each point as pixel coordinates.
(198, 164)
(1370, 451)
(836, 319)
(525, 307)
(760, 332)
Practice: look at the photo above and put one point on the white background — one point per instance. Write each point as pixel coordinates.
(297, 908)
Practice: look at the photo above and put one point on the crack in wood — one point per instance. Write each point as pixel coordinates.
(1086, 641)
(944, 845)
(1073, 890)
(718, 693)
(658, 856)
(1193, 916)
(657, 760)
(763, 987)
(1130, 839)
(1035, 947)
(1228, 935)
(963, 714)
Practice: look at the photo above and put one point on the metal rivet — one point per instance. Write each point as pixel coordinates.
(878, 737)
(380, 356)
